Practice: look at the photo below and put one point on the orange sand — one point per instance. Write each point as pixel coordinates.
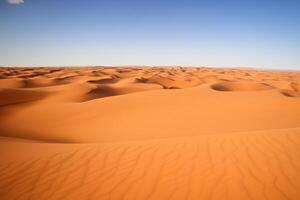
(149, 133)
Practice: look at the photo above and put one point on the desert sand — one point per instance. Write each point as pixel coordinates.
(149, 133)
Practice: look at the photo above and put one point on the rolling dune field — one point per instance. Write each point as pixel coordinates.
(149, 133)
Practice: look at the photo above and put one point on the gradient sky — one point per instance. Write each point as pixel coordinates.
(239, 33)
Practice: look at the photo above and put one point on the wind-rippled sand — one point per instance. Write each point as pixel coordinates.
(149, 133)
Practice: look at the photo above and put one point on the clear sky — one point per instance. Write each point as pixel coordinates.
(239, 33)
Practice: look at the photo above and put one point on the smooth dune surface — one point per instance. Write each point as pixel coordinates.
(149, 133)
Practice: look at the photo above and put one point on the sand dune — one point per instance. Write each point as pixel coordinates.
(17, 96)
(250, 165)
(240, 86)
(149, 133)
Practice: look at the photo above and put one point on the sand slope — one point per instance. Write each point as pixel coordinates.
(149, 133)
(250, 165)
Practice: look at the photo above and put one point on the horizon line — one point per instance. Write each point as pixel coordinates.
(167, 66)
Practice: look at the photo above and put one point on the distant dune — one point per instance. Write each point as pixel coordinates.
(149, 133)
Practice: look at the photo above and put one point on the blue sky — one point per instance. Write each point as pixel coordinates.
(256, 33)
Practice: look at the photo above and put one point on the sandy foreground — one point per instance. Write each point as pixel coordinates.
(149, 133)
